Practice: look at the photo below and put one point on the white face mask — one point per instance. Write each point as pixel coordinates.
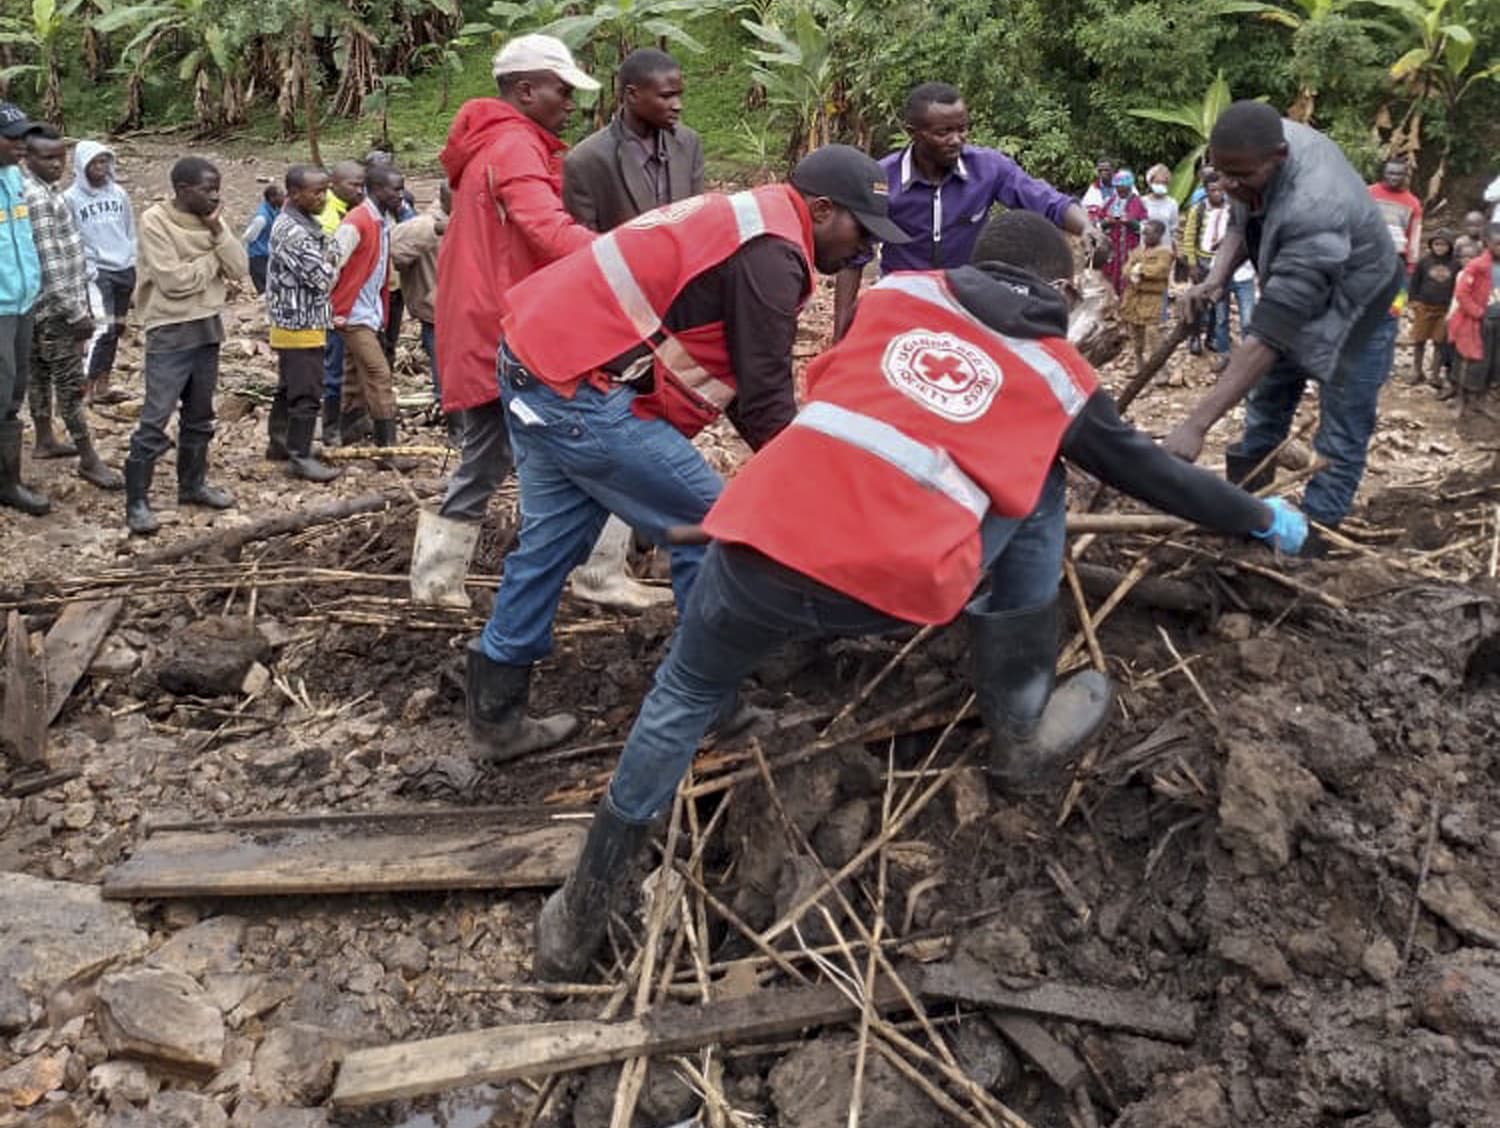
(1158, 189)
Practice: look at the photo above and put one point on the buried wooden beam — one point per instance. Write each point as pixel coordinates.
(25, 716)
(341, 857)
(507, 1053)
(71, 645)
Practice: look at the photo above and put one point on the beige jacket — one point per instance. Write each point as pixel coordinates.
(183, 270)
(414, 250)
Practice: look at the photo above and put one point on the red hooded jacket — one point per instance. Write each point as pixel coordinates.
(508, 221)
(1471, 297)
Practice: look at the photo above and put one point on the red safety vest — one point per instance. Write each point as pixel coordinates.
(603, 300)
(921, 421)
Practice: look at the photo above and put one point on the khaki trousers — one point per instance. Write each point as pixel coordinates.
(367, 375)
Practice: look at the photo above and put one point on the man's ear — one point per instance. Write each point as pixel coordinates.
(820, 208)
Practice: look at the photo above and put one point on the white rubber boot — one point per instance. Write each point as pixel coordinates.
(602, 578)
(440, 558)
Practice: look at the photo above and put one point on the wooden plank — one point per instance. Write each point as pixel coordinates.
(506, 1053)
(71, 645)
(1060, 1064)
(395, 819)
(340, 859)
(1134, 1011)
(24, 719)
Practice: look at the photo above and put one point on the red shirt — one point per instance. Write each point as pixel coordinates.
(1403, 216)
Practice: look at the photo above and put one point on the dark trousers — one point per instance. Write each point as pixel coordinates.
(183, 376)
(299, 383)
(485, 461)
(333, 367)
(15, 363)
(392, 331)
(57, 368)
(258, 264)
(115, 288)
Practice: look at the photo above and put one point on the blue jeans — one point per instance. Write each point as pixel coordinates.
(745, 605)
(1348, 405)
(578, 461)
(429, 346)
(333, 367)
(1244, 302)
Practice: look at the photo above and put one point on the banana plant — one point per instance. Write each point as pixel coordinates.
(795, 67)
(43, 34)
(210, 51)
(1197, 118)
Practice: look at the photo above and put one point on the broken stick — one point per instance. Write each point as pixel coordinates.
(228, 542)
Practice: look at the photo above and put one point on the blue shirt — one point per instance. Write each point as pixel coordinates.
(369, 304)
(20, 269)
(945, 219)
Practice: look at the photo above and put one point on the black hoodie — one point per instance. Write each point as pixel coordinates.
(1020, 304)
(1433, 280)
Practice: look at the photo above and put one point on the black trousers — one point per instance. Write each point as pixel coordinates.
(115, 287)
(299, 382)
(183, 376)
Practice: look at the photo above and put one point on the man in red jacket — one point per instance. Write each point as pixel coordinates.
(504, 166)
(927, 454)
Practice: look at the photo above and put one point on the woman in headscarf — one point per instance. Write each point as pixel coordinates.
(1121, 220)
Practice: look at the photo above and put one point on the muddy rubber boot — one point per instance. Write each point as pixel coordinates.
(331, 422)
(138, 516)
(301, 462)
(48, 445)
(1238, 465)
(574, 919)
(104, 394)
(12, 492)
(602, 578)
(354, 428)
(384, 431)
(455, 424)
(1034, 731)
(192, 476)
(440, 557)
(496, 696)
(91, 468)
(277, 426)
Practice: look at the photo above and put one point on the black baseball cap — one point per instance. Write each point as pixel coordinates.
(852, 180)
(14, 124)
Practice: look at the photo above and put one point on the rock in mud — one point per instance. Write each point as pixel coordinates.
(32, 1078)
(1380, 961)
(1454, 899)
(1189, 1100)
(122, 1081)
(1003, 948)
(15, 1008)
(177, 1108)
(665, 1098)
(841, 835)
(1264, 797)
(984, 1056)
(1460, 995)
(1429, 1079)
(161, 1016)
(55, 931)
(813, 1085)
(294, 1064)
(212, 945)
(211, 657)
(1260, 957)
(1338, 751)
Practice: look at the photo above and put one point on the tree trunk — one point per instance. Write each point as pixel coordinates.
(309, 98)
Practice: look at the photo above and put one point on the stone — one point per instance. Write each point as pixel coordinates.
(1195, 1099)
(32, 1078)
(281, 1118)
(1260, 957)
(1260, 657)
(163, 1016)
(178, 1108)
(1338, 751)
(1314, 952)
(15, 1008)
(1234, 627)
(1454, 899)
(812, 1087)
(1264, 797)
(63, 1114)
(209, 945)
(1131, 1063)
(984, 1055)
(1431, 1080)
(1380, 960)
(228, 989)
(210, 657)
(1460, 995)
(78, 816)
(1003, 948)
(294, 1064)
(127, 1081)
(842, 834)
(970, 795)
(52, 932)
(115, 659)
(256, 681)
(405, 954)
(419, 705)
(665, 1098)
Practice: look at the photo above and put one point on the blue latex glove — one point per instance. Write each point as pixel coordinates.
(1288, 531)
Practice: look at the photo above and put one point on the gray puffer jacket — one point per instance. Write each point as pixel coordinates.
(1322, 252)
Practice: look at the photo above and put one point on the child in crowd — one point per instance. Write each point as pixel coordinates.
(1465, 251)
(1474, 225)
(1431, 294)
(257, 236)
(102, 211)
(1148, 270)
(1475, 325)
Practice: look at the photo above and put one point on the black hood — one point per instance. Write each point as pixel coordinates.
(1010, 300)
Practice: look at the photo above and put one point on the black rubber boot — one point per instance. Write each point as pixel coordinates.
(1033, 731)
(574, 919)
(91, 468)
(385, 432)
(138, 516)
(48, 445)
(276, 430)
(354, 427)
(192, 476)
(455, 422)
(331, 422)
(497, 695)
(300, 460)
(12, 492)
(1237, 467)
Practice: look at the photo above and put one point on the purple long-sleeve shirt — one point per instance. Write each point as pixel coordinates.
(945, 220)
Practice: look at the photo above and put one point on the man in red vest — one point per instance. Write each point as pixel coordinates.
(927, 454)
(615, 357)
(504, 164)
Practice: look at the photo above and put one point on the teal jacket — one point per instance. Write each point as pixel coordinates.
(20, 272)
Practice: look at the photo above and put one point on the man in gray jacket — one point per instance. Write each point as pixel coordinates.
(1329, 277)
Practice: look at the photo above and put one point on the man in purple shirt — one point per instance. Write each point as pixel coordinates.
(941, 190)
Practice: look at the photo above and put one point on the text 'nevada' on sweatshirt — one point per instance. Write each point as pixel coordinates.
(103, 214)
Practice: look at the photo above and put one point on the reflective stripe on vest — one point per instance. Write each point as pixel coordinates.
(929, 467)
(750, 223)
(927, 288)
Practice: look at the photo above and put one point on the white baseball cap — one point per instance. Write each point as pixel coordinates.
(541, 53)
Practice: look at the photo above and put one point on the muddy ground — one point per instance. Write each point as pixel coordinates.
(1300, 839)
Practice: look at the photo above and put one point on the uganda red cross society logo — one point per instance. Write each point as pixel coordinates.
(668, 213)
(945, 374)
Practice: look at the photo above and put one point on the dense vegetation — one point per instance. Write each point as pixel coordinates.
(1054, 81)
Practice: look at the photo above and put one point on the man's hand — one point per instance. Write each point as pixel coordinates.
(1186, 440)
(1288, 529)
(214, 221)
(1092, 238)
(1198, 298)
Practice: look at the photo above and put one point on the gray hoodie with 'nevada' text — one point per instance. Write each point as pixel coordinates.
(103, 214)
